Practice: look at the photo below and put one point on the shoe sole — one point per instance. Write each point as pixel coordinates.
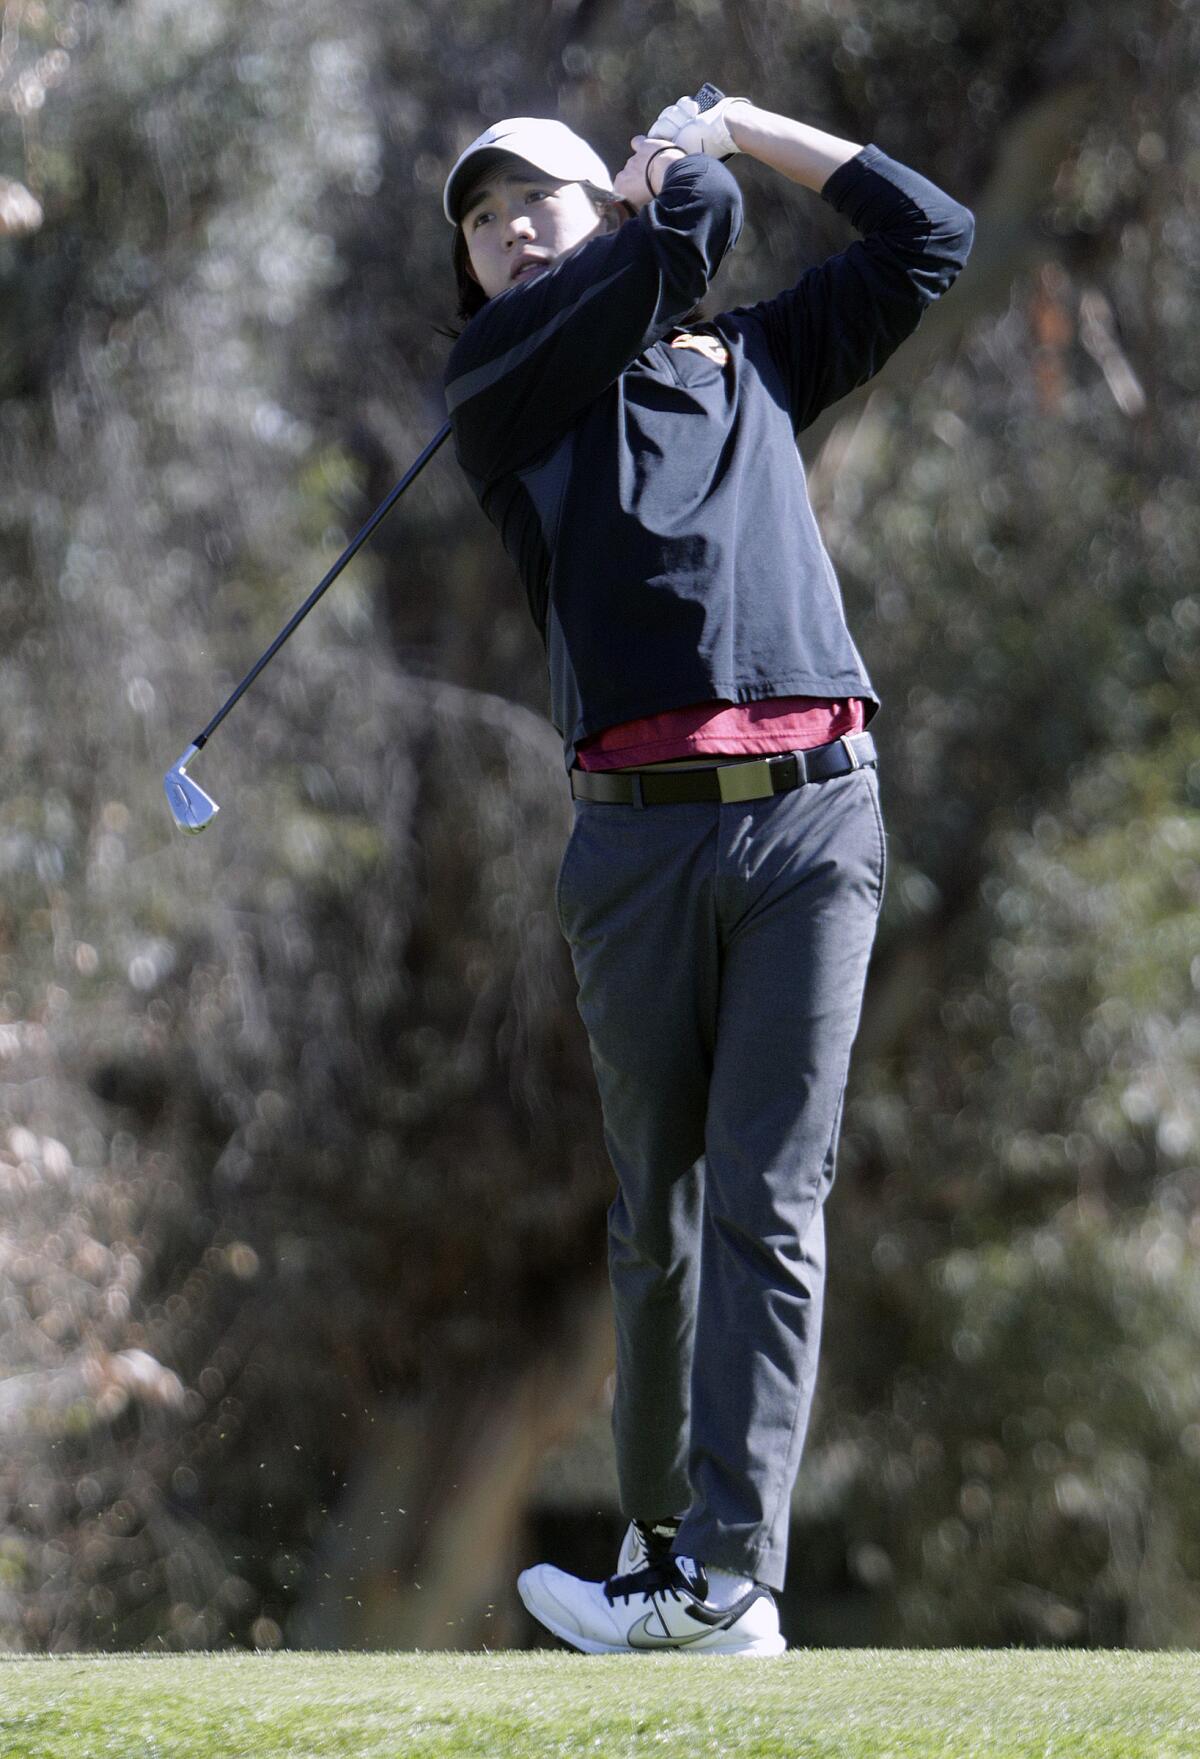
(766, 1646)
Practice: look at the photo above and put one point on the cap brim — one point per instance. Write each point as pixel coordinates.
(521, 143)
(467, 175)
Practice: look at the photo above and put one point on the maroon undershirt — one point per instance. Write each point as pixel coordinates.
(722, 729)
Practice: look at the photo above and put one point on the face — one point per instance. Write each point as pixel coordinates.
(517, 222)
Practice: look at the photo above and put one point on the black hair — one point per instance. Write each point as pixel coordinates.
(471, 297)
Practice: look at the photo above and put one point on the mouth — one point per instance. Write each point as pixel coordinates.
(526, 270)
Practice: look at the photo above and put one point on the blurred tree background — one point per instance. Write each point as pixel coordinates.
(302, 1188)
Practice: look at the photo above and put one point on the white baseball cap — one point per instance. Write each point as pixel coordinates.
(549, 146)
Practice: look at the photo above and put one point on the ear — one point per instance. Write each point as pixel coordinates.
(615, 214)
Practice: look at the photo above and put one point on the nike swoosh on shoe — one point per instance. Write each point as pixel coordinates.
(641, 1636)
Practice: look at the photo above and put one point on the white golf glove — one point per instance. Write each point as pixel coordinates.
(694, 130)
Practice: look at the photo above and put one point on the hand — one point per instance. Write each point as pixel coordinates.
(630, 181)
(698, 131)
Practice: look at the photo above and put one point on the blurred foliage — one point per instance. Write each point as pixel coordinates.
(297, 1125)
(1030, 1326)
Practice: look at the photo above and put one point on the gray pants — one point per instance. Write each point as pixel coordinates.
(721, 953)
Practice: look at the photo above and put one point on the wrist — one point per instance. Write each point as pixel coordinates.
(741, 112)
(658, 164)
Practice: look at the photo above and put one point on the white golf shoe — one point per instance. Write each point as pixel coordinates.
(662, 1607)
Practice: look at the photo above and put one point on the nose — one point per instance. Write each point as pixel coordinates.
(520, 226)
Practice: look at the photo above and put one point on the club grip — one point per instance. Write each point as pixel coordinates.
(708, 95)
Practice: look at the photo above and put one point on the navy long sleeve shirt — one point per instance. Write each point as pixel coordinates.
(653, 500)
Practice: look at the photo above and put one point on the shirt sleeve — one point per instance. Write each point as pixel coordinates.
(842, 320)
(537, 354)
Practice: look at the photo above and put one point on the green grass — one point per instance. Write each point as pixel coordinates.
(855, 1704)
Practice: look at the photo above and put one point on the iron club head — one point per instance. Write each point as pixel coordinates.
(191, 807)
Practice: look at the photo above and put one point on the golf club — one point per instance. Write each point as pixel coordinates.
(193, 809)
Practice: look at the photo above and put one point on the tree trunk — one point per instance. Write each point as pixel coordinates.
(423, 1550)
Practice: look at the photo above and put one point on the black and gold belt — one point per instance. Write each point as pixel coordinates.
(724, 783)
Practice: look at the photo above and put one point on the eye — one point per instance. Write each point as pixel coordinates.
(479, 219)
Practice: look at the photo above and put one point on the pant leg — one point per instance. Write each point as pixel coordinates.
(801, 881)
(636, 904)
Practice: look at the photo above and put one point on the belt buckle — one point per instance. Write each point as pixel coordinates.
(745, 781)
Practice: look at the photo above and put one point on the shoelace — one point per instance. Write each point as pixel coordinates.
(660, 1578)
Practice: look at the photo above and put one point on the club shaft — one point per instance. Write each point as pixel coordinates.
(707, 96)
(380, 513)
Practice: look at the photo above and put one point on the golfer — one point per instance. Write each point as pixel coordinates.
(720, 888)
